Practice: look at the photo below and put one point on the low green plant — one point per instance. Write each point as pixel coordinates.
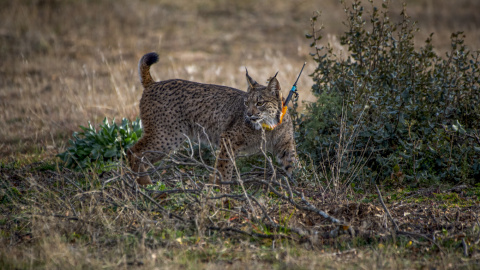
(414, 114)
(92, 149)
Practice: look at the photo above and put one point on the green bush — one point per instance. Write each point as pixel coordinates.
(414, 115)
(90, 149)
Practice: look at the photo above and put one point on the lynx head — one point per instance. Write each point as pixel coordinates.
(263, 103)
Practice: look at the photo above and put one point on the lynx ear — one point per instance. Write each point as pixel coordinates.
(274, 85)
(251, 82)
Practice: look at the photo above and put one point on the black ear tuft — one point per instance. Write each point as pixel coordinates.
(274, 85)
(275, 76)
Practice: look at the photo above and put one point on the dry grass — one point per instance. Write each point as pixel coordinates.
(63, 220)
(66, 63)
(63, 63)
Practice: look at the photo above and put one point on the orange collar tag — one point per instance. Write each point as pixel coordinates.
(272, 127)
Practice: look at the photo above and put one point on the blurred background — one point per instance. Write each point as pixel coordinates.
(63, 63)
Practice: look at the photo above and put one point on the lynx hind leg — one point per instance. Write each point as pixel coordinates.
(150, 148)
(225, 161)
(136, 159)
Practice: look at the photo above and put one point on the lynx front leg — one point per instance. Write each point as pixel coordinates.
(286, 154)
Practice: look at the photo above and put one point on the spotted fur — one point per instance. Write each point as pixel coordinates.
(173, 110)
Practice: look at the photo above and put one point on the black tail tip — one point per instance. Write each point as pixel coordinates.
(150, 58)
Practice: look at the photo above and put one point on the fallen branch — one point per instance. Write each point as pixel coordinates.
(252, 234)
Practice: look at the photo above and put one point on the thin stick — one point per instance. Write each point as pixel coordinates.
(465, 248)
(386, 209)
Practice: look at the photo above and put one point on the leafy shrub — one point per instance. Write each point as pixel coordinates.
(414, 114)
(90, 149)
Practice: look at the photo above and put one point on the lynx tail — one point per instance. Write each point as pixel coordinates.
(144, 68)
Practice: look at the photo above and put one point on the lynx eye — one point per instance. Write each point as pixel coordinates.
(260, 103)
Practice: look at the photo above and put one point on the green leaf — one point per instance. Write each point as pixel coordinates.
(110, 153)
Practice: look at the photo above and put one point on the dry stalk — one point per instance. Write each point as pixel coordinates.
(337, 180)
(380, 198)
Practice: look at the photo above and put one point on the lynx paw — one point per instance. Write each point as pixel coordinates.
(144, 180)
